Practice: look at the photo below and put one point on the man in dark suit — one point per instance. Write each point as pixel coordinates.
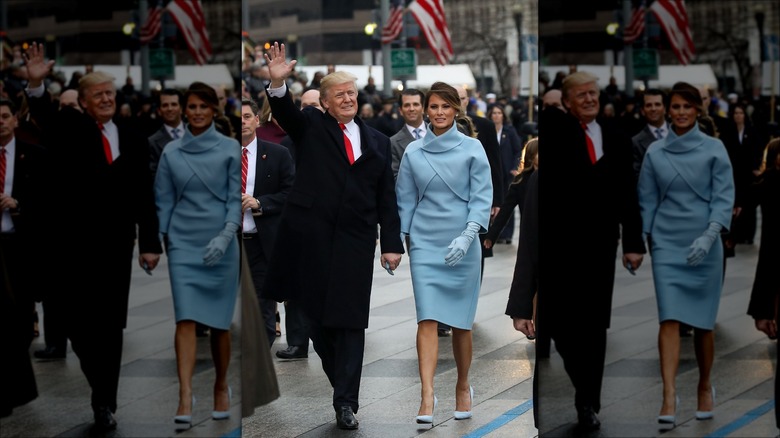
(268, 179)
(654, 111)
(324, 252)
(589, 174)
(107, 164)
(23, 188)
(410, 106)
(170, 111)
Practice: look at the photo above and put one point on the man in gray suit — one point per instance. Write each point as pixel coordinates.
(654, 111)
(170, 111)
(410, 106)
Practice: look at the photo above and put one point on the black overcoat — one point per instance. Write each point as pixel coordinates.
(324, 252)
(585, 207)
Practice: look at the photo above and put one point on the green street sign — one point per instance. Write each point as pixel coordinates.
(646, 63)
(161, 64)
(404, 63)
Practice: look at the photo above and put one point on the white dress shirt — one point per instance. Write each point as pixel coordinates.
(594, 132)
(8, 184)
(251, 158)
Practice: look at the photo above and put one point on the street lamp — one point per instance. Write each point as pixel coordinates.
(370, 28)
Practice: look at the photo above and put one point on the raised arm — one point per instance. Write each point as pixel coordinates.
(37, 67)
(278, 67)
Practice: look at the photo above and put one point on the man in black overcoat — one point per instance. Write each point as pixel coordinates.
(103, 167)
(589, 184)
(324, 253)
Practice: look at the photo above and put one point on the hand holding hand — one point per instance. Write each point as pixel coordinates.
(218, 245)
(458, 249)
(701, 246)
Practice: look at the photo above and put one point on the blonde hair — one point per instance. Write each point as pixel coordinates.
(94, 78)
(576, 79)
(336, 78)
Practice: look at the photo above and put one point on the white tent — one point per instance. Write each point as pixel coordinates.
(216, 74)
(453, 74)
(697, 75)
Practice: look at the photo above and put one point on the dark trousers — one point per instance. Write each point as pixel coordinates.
(296, 324)
(341, 352)
(54, 323)
(584, 363)
(100, 354)
(258, 264)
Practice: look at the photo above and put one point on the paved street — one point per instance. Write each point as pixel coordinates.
(501, 372)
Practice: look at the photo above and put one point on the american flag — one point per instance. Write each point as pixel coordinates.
(674, 20)
(395, 23)
(188, 15)
(151, 28)
(635, 27)
(429, 15)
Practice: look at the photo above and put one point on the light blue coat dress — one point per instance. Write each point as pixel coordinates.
(198, 190)
(443, 183)
(684, 184)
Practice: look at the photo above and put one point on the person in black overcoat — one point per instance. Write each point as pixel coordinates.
(766, 287)
(595, 188)
(324, 252)
(111, 197)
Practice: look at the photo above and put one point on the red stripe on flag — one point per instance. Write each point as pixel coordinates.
(188, 16)
(429, 15)
(674, 21)
(394, 25)
(635, 27)
(152, 26)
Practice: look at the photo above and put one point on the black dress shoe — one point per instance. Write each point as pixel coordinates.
(443, 332)
(345, 418)
(104, 419)
(50, 353)
(587, 420)
(293, 352)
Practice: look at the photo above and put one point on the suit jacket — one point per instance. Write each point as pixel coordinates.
(109, 201)
(274, 176)
(157, 142)
(324, 253)
(639, 145)
(600, 210)
(486, 134)
(398, 143)
(29, 187)
(511, 149)
(526, 275)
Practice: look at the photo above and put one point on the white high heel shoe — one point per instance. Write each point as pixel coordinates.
(428, 419)
(185, 419)
(223, 415)
(463, 415)
(707, 415)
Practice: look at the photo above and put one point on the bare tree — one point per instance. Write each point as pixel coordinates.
(476, 42)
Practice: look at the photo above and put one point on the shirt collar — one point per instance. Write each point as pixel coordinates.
(252, 146)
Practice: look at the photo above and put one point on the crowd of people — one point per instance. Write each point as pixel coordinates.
(299, 185)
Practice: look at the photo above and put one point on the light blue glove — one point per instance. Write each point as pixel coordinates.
(701, 246)
(218, 245)
(461, 244)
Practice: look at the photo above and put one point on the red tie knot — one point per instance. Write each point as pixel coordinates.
(100, 126)
(584, 126)
(342, 126)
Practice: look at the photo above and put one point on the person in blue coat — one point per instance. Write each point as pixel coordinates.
(444, 193)
(198, 194)
(686, 197)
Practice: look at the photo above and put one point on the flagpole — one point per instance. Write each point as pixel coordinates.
(387, 73)
(628, 52)
(143, 9)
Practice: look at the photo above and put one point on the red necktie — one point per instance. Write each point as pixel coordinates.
(2, 168)
(347, 144)
(591, 148)
(244, 169)
(106, 145)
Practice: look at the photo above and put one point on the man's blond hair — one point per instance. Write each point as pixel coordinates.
(333, 79)
(94, 78)
(576, 79)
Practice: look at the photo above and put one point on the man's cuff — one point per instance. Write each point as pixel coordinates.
(277, 92)
(36, 92)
